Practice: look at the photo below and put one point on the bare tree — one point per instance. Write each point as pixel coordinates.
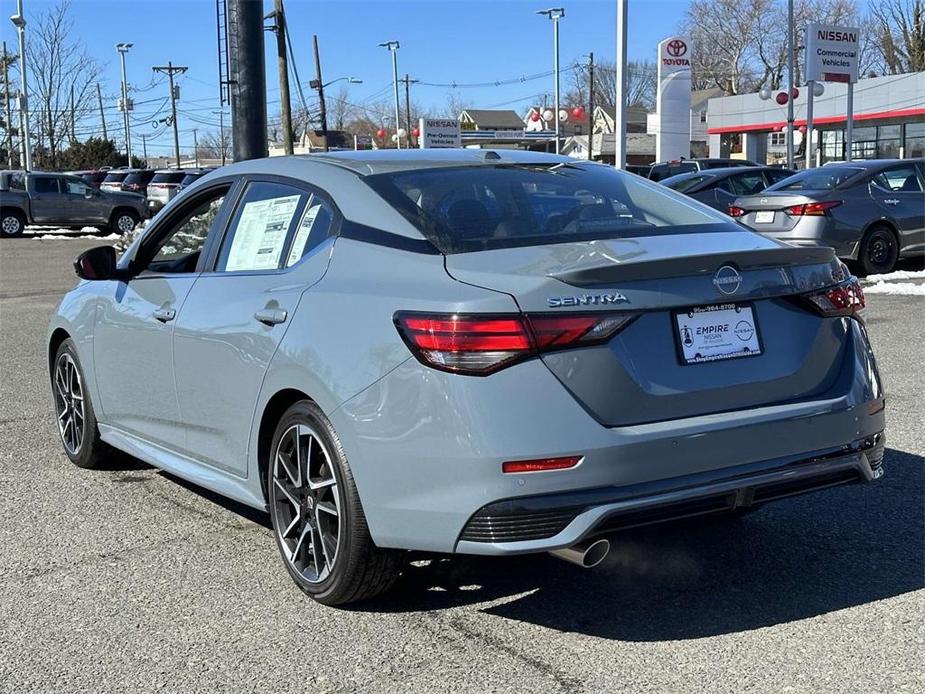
(899, 34)
(59, 66)
(212, 144)
(340, 109)
(455, 104)
(641, 76)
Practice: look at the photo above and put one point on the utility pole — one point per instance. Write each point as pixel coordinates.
(285, 105)
(590, 105)
(221, 132)
(144, 148)
(248, 79)
(9, 111)
(123, 49)
(322, 107)
(20, 23)
(196, 146)
(99, 98)
(408, 82)
(170, 70)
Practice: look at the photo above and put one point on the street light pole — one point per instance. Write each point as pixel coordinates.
(393, 47)
(790, 84)
(20, 23)
(123, 49)
(555, 14)
(619, 130)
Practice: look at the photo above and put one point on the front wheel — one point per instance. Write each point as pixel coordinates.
(12, 223)
(123, 221)
(74, 411)
(318, 521)
(878, 252)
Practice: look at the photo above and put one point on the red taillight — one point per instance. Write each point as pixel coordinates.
(846, 299)
(483, 344)
(812, 209)
(736, 211)
(542, 465)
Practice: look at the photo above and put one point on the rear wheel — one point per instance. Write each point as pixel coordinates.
(879, 251)
(123, 221)
(74, 411)
(12, 223)
(317, 517)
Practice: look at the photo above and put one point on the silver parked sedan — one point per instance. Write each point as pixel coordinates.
(463, 351)
(872, 212)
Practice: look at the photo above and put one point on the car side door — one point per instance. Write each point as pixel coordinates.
(277, 245)
(898, 191)
(81, 201)
(46, 199)
(133, 336)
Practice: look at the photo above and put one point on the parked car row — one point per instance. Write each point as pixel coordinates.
(157, 185)
(872, 212)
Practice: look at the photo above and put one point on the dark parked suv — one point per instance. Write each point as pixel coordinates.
(663, 170)
(872, 212)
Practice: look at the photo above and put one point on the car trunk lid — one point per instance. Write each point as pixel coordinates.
(643, 374)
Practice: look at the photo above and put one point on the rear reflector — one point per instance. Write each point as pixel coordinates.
(845, 299)
(812, 209)
(542, 465)
(482, 344)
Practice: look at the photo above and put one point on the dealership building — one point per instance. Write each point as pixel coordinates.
(889, 121)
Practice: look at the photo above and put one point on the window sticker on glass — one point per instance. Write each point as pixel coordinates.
(301, 235)
(261, 234)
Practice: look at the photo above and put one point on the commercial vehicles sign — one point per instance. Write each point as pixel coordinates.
(831, 53)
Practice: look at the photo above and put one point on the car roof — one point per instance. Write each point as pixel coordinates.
(389, 160)
(867, 163)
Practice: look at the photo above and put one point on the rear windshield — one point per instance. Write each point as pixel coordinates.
(138, 178)
(817, 179)
(168, 177)
(663, 171)
(471, 208)
(115, 177)
(189, 178)
(685, 183)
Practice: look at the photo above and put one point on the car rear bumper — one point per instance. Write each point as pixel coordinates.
(553, 521)
(426, 449)
(819, 231)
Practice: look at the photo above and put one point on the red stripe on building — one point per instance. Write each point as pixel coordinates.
(826, 120)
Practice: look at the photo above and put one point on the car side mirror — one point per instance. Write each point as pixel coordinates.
(98, 263)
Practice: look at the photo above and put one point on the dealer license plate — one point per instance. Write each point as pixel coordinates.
(712, 333)
(764, 216)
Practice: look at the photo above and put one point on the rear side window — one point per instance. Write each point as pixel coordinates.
(818, 179)
(663, 171)
(686, 184)
(314, 227)
(45, 184)
(899, 179)
(16, 181)
(114, 178)
(140, 178)
(261, 227)
(471, 208)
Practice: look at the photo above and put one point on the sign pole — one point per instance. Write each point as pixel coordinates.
(619, 130)
(790, 84)
(808, 135)
(849, 122)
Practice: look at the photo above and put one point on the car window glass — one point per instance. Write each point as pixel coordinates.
(900, 179)
(726, 186)
(260, 227)
(775, 176)
(179, 251)
(75, 186)
(45, 184)
(747, 183)
(825, 178)
(314, 227)
(685, 184)
(17, 181)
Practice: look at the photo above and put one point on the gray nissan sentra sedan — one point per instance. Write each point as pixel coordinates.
(463, 351)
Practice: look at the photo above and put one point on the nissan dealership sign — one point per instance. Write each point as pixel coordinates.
(832, 53)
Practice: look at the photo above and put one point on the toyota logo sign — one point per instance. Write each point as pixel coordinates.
(676, 48)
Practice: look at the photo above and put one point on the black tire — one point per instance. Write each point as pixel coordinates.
(350, 567)
(123, 221)
(90, 452)
(12, 223)
(879, 251)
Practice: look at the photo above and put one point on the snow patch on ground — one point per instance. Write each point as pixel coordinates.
(66, 237)
(73, 233)
(896, 289)
(898, 275)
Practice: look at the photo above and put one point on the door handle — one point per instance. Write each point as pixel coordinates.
(271, 316)
(165, 314)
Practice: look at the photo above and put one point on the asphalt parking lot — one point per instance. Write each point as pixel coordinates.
(127, 579)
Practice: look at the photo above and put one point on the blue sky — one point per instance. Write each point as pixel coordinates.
(442, 41)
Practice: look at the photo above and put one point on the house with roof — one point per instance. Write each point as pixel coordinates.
(485, 119)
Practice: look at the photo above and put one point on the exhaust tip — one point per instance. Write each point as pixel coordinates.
(586, 555)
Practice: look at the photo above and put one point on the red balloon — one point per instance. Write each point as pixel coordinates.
(794, 93)
(416, 132)
(578, 112)
(380, 133)
(781, 98)
(778, 128)
(802, 128)
(534, 116)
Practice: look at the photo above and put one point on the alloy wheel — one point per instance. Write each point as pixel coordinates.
(306, 503)
(69, 403)
(10, 225)
(125, 223)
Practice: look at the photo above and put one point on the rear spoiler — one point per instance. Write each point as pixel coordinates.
(708, 263)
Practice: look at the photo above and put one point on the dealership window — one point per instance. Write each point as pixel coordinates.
(915, 141)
